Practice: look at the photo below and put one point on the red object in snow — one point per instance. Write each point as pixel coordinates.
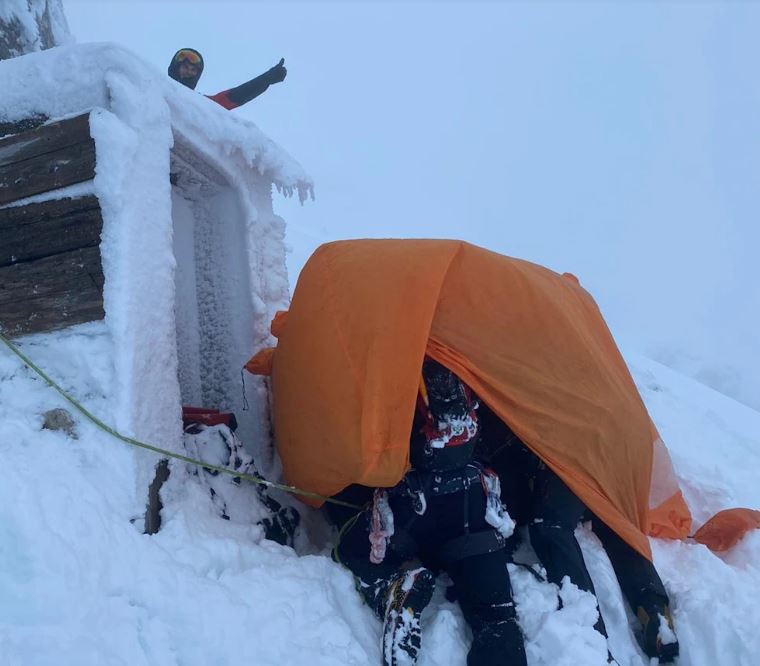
(207, 416)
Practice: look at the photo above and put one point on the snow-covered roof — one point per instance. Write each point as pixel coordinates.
(147, 128)
(70, 80)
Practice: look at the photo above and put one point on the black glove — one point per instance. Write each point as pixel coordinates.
(277, 73)
(252, 89)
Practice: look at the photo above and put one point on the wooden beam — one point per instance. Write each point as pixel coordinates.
(51, 293)
(43, 229)
(46, 158)
(51, 171)
(45, 139)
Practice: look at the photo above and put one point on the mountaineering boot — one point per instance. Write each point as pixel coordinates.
(407, 597)
(657, 636)
(281, 525)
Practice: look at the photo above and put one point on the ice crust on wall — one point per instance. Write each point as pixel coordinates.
(226, 288)
(138, 116)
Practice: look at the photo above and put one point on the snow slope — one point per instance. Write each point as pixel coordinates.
(80, 584)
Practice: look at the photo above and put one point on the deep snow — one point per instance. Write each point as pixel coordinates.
(81, 584)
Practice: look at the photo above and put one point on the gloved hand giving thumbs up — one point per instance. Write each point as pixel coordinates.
(277, 73)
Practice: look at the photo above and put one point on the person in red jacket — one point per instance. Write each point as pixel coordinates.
(186, 67)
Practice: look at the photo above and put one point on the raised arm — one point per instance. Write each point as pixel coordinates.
(235, 97)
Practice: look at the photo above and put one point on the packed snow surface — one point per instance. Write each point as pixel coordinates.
(80, 583)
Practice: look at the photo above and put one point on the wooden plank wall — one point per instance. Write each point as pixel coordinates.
(46, 158)
(50, 269)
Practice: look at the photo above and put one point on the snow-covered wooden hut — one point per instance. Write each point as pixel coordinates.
(137, 205)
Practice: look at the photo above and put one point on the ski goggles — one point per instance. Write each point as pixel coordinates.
(186, 55)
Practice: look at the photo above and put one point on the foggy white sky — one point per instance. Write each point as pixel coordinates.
(616, 141)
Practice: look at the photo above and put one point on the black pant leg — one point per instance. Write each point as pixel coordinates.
(338, 514)
(372, 580)
(556, 514)
(638, 578)
(481, 581)
(485, 595)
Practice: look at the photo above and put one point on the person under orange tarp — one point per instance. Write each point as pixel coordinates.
(538, 500)
(445, 514)
(531, 342)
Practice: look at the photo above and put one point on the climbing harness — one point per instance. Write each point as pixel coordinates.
(164, 452)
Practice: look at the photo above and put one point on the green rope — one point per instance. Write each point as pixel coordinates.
(169, 454)
(341, 533)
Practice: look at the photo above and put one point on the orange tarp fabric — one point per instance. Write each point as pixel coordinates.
(726, 528)
(531, 343)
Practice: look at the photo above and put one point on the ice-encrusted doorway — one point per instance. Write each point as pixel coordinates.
(216, 318)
